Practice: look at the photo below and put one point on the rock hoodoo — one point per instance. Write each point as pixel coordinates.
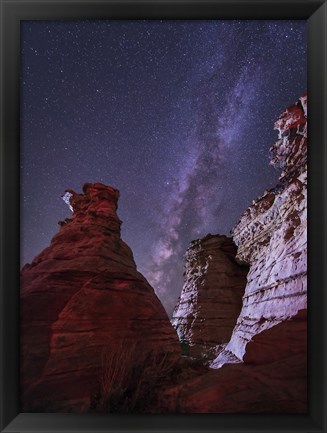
(211, 298)
(272, 238)
(81, 297)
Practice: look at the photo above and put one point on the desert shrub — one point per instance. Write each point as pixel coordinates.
(131, 377)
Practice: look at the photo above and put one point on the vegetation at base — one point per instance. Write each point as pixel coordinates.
(131, 379)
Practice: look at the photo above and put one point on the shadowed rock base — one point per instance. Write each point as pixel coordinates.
(272, 379)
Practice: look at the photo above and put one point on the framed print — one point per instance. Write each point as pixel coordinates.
(161, 244)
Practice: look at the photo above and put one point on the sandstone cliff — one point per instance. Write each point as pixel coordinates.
(80, 299)
(272, 238)
(263, 367)
(211, 297)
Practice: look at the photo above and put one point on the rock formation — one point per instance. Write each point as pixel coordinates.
(263, 368)
(272, 238)
(80, 298)
(211, 298)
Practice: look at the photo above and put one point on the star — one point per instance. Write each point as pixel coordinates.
(177, 115)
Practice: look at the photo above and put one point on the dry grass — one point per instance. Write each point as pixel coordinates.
(131, 377)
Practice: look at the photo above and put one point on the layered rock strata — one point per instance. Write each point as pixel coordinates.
(271, 237)
(81, 298)
(211, 297)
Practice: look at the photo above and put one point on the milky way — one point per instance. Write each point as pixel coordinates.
(177, 115)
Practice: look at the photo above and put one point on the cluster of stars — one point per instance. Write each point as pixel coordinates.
(177, 115)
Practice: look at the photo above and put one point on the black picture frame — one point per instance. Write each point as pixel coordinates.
(12, 12)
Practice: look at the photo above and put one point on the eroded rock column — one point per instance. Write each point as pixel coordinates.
(82, 298)
(271, 237)
(211, 298)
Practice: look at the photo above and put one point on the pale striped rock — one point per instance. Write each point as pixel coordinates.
(271, 237)
(211, 297)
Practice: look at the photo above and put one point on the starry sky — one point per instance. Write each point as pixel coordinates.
(177, 115)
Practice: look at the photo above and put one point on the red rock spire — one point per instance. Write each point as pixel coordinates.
(80, 297)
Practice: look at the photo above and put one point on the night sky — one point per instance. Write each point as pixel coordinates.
(177, 115)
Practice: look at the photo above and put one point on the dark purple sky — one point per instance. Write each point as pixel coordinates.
(177, 115)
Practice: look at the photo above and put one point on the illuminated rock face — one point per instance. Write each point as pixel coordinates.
(263, 367)
(271, 237)
(211, 298)
(80, 298)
